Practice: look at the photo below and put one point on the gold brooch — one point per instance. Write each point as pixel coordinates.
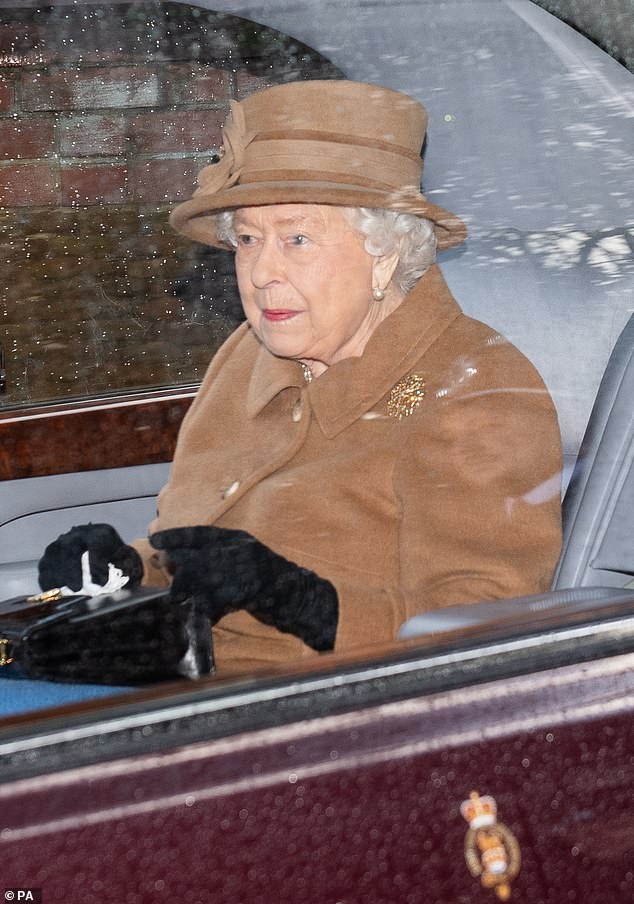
(491, 850)
(406, 396)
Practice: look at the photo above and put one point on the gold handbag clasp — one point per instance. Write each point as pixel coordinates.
(5, 651)
(47, 596)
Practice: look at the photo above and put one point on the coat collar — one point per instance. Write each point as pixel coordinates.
(269, 377)
(352, 387)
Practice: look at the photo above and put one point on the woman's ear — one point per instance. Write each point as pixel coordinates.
(383, 268)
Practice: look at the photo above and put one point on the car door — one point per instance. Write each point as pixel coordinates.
(349, 778)
(478, 766)
(99, 461)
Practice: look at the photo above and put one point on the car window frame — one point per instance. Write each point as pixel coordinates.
(92, 434)
(155, 719)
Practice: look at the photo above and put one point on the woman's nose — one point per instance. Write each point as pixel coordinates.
(268, 265)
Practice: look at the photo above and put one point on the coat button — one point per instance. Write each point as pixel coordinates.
(296, 413)
(231, 489)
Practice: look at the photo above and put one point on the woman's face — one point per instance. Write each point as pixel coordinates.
(306, 281)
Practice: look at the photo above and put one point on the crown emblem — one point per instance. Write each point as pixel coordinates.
(479, 811)
(406, 396)
(491, 850)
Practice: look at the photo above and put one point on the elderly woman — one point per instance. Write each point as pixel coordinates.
(359, 450)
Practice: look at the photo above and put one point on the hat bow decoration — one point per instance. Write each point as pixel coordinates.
(226, 171)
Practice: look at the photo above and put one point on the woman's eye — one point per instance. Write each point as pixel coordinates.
(298, 239)
(244, 239)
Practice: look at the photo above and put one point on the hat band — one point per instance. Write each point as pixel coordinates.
(337, 138)
(327, 161)
(290, 177)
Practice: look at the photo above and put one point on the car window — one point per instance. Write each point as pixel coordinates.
(107, 113)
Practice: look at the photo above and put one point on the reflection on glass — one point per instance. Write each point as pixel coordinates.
(109, 113)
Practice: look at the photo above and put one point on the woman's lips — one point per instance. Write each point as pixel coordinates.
(275, 314)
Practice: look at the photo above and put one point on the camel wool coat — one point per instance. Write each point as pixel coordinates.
(457, 500)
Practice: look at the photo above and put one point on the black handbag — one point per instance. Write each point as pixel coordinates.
(128, 637)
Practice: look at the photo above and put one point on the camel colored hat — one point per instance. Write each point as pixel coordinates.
(318, 142)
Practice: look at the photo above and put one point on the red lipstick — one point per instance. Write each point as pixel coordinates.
(274, 315)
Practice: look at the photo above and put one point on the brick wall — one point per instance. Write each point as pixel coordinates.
(106, 115)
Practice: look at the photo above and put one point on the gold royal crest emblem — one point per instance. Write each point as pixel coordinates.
(491, 850)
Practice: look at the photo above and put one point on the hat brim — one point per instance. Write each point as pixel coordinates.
(196, 218)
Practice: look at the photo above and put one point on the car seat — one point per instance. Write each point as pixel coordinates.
(598, 508)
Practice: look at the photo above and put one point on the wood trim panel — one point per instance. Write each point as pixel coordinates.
(104, 433)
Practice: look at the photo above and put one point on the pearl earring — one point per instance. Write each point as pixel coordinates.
(378, 294)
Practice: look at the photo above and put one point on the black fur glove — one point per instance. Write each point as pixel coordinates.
(231, 570)
(60, 566)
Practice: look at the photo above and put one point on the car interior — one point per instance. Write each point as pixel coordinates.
(487, 754)
(581, 341)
